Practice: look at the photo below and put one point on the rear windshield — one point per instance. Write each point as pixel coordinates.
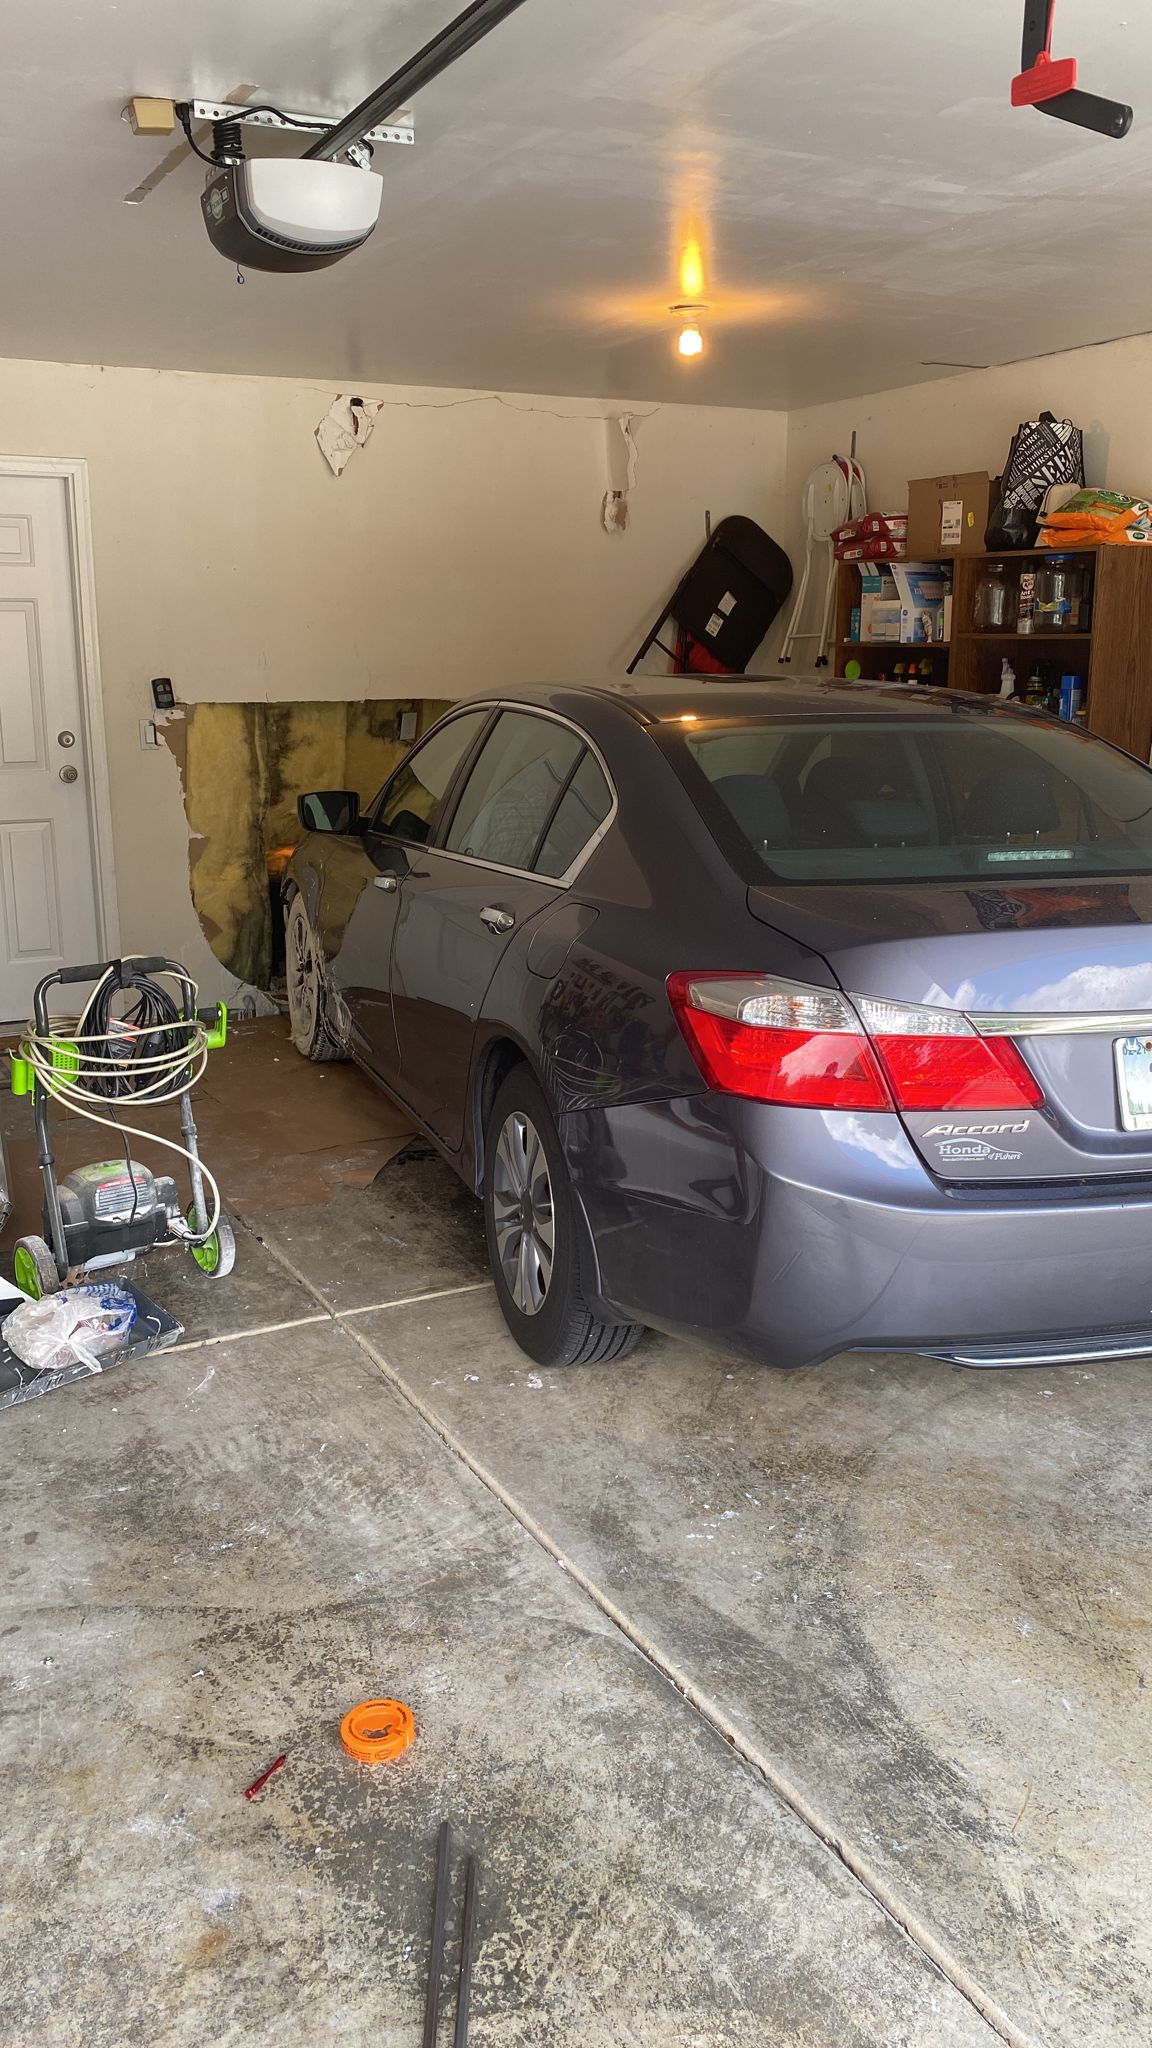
(917, 799)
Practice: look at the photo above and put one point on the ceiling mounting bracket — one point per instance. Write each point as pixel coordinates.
(399, 128)
(1049, 83)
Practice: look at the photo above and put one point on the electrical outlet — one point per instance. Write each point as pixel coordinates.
(149, 737)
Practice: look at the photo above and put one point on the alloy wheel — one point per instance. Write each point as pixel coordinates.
(302, 976)
(523, 1215)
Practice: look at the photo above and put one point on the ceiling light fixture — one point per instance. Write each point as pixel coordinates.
(689, 341)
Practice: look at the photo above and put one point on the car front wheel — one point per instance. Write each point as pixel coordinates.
(533, 1241)
(311, 1033)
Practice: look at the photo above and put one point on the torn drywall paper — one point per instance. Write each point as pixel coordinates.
(621, 474)
(630, 449)
(344, 428)
(614, 511)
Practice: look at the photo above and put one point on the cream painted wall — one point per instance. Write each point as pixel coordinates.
(462, 547)
(967, 422)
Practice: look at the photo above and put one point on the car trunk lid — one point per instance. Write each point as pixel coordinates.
(1063, 969)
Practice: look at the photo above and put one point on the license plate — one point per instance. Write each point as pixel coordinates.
(1134, 1081)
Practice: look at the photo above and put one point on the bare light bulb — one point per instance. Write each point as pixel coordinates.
(689, 341)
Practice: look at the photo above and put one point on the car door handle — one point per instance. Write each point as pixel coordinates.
(497, 919)
(387, 882)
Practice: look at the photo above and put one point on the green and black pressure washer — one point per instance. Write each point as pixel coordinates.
(135, 1044)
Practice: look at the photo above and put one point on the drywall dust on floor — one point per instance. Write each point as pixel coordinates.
(216, 1573)
(242, 767)
(783, 1709)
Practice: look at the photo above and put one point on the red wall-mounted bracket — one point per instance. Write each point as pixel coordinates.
(1048, 83)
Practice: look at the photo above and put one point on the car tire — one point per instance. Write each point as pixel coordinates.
(535, 1248)
(312, 1034)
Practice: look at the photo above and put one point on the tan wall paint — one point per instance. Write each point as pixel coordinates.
(461, 547)
(967, 422)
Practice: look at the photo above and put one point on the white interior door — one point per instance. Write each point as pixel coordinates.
(47, 887)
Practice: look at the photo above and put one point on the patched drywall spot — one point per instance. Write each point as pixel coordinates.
(242, 767)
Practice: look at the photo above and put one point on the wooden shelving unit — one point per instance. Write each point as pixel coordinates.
(1114, 657)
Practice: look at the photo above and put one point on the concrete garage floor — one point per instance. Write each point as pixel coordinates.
(803, 1708)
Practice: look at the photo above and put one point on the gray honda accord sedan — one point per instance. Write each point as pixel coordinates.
(795, 1016)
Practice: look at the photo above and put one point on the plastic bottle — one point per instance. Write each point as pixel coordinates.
(1026, 602)
(1071, 696)
(1007, 678)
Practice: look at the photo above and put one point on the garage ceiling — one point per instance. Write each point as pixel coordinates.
(869, 203)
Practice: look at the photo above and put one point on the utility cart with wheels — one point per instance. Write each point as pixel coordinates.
(139, 1042)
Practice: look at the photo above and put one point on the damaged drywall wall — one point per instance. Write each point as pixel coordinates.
(242, 767)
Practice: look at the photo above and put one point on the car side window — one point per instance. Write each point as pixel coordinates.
(411, 804)
(511, 793)
(581, 811)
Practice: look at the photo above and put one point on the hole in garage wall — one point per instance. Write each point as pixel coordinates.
(243, 766)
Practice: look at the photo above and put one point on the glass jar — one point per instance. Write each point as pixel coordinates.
(994, 610)
(1061, 595)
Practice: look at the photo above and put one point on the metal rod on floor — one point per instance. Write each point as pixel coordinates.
(452, 42)
(467, 1943)
(439, 1914)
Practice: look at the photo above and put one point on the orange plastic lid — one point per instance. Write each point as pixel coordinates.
(378, 1731)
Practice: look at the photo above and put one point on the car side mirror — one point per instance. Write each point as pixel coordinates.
(329, 810)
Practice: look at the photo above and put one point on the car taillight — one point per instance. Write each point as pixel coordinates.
(777, 1041)
(784, 1041)
(936, 1059)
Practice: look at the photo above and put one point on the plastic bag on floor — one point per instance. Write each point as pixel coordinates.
(78, 1326)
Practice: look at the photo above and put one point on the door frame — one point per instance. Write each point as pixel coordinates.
(72, 471)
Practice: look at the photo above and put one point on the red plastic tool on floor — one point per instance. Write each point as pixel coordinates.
(258, 1784)
(1048, 83)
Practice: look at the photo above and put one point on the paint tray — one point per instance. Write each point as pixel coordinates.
(155, 1330)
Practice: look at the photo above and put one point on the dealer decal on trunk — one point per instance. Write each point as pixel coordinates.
(973, 1149)
(979, 1130)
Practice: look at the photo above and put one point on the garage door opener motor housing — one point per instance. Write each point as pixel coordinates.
(289, 213)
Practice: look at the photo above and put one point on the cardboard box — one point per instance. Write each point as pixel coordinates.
(879, 603)
(902, 603)
(923, 587)
(948, 515)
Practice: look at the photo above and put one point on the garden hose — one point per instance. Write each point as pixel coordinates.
(152, 1055)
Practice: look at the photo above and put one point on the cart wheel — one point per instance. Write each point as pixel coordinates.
(35, 1268)
(217, 1255)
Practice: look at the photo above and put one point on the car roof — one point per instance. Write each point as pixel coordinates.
(654, 699)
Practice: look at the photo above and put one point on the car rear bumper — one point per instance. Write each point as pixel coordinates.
(795, 1234)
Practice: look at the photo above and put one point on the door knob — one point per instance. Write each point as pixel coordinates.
(386, 882)
(69, 774)
(66, 739)
(496, 918)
